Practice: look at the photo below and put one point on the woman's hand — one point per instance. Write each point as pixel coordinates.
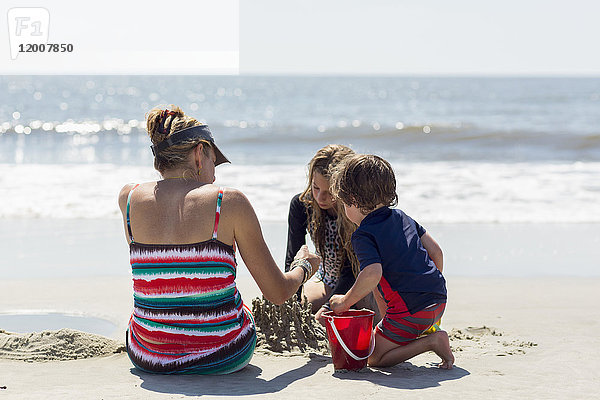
(302, 253)
(312, 258)
(338, 304)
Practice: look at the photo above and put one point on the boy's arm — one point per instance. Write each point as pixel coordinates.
(381, 304)
(434, 250)
(366, 281)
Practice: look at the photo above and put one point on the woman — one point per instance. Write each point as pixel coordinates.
(316, 211)
(182, 230)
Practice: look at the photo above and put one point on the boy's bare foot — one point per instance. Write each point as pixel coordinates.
(441, 347)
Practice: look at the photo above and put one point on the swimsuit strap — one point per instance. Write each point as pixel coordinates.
(218, 212)
(127, 214)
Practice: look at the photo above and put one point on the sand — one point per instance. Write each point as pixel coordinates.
(522, 336)
(512, 337)
(60, 345)
(501, 249)
(288, 328)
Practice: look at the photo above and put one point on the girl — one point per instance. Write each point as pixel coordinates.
(317, 212)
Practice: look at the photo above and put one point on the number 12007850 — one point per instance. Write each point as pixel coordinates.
(46, 48)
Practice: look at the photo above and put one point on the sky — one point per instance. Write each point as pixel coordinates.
(458, 37)
(317, 37)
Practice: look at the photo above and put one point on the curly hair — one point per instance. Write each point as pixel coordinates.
(365, 181)
(324, 162)
(162, 122)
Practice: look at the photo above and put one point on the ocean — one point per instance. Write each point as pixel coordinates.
(502, 171)
(465, 150)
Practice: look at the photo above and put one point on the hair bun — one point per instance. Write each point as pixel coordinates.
(159, 121)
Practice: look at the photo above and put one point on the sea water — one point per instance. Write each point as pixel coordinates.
(465, 150)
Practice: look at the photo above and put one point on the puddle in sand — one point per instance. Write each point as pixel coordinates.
(23, 322)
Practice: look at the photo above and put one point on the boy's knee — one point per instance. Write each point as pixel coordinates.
(373, 361)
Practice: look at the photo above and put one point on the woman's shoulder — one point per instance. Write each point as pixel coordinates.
(206, 194)
(236, 210)
(235, 201)
(124, 194)
(232, 195)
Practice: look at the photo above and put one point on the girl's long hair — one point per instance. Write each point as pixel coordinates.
(324, 162)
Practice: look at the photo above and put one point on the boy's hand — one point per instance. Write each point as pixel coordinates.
(319, 316)
(337, 304)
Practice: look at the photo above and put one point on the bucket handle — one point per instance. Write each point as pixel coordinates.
(346, 349)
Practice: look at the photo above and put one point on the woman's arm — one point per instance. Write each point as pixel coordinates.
(275, 285)
(297, 225)
(434, 250)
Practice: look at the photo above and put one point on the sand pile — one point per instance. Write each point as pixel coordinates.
(290, 327)
(64, 344)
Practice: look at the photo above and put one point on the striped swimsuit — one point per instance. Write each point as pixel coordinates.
(188, 315)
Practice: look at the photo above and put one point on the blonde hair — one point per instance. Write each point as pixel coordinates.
(324, 162)
(162, 122)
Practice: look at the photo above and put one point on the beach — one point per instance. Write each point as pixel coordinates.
(547, 349)
(525, 335)
(502, 172)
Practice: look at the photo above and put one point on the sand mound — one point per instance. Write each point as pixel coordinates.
(64, 344)
(290, 327)
(487, 340)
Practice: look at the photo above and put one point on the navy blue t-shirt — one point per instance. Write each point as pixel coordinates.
(410, 282)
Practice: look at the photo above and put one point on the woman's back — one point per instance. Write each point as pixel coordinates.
(188, 315)
(178, 212)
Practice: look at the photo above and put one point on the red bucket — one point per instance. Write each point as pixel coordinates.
(351, 338)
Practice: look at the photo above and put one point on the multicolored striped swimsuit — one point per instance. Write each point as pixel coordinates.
(188, 315)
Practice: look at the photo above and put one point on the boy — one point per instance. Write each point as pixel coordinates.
(394, 259)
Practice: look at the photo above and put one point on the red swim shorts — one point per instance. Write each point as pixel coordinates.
(403, 330)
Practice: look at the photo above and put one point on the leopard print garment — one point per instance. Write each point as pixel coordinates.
(329, 269)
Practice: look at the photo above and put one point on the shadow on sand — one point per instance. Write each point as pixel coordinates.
(244, 382)
(405, 376)
(248, 381)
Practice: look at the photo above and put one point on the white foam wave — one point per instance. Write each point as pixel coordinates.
(440, 192)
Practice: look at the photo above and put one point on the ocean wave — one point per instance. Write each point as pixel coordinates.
(125, 141)
(255, 130)
(431, 192)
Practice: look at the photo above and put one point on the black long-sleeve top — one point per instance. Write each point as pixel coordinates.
(297, 229)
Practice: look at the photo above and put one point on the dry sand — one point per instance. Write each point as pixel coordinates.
(512, 337)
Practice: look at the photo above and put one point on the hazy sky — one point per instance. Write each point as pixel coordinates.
(440, 37)
(420, 37)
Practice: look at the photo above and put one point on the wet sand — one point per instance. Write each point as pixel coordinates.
(527, 336)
